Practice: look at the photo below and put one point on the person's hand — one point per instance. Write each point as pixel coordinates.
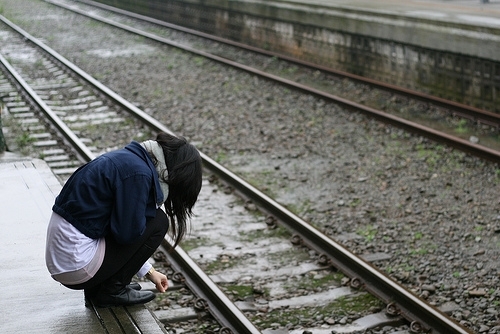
(159, 280)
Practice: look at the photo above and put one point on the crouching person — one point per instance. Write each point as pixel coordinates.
(107, 221)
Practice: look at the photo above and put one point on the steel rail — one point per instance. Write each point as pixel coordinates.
(199, 282)
(477, 114)
(407, 304)
(83, 151)
(461, 144)
(222, 308)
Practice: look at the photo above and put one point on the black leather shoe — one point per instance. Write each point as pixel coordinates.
(89, 294)
(135, 286)
(125, 296)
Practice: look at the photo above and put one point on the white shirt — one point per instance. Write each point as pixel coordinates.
(69, 251)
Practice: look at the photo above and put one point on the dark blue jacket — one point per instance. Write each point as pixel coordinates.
(115, 193)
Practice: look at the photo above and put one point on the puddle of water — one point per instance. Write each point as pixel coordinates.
(20, 55)
(322, 298)
(359, 325)
(130, 52)
(426, 13)
(481, 20)
(4, 35)
(275, 289)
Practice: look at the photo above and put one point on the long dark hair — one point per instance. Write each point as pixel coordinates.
(184, 181)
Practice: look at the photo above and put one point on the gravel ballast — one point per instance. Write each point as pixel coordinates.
(370, 186)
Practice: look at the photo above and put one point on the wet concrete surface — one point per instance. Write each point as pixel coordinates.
(30, 300)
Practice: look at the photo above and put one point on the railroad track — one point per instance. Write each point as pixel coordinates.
(467, 128)
(60, 127)
(320, 249)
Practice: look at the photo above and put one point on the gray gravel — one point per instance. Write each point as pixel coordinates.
(435, 210)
